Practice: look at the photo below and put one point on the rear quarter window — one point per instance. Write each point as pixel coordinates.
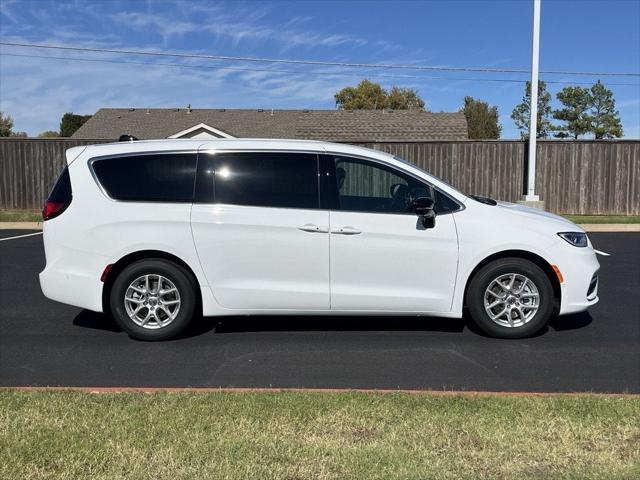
(61, 191)
(165, 177)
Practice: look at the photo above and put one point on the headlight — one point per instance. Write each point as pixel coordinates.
(577, 239)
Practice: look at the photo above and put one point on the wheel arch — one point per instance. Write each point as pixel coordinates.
(532, 257)
(116, 268)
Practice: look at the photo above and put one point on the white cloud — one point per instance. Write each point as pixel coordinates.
(237, 26)
(36, 92)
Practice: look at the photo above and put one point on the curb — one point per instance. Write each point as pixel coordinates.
(240, 390)
(610, 227)
(20, 225)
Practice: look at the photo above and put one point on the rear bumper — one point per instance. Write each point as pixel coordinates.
(72, 276)
(72, 288)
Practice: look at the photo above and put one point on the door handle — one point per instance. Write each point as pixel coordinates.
(346, 231)
(309, 227)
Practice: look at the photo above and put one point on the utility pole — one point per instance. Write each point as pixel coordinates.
(533, 120)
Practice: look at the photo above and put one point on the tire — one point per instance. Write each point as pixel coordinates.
(163, 315)
(520, 318)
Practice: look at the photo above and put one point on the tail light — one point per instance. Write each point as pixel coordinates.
(52, 209)
(59, 198)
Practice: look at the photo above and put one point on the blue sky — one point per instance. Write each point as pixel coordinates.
(596, 35)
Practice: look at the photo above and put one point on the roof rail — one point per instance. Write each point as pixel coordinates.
(126, 138)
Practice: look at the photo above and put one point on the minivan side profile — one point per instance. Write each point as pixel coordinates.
(155, 233)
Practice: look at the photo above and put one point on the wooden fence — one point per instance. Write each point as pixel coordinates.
(29, 167)
(589, 177)
(579, 177)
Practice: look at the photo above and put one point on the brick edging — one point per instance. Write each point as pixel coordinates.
(441, 393)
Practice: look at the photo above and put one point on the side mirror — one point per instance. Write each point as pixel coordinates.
(423, 207)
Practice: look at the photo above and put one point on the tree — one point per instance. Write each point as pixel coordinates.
(71, 122)
(48, 134)
(521, 113)
(6, 125)
(404, 99)
(19, 134)
(482, 119)
(575, 112)
(371, 96)
(604, 118)
(366, 96)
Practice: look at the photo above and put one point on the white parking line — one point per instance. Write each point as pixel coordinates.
(20, 236)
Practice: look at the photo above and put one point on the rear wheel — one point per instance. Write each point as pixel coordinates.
(153, 299)
(510, 298)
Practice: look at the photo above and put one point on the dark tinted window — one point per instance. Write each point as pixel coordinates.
(262, 179)
(61, 192)
(148, 178)
(444, 204)
(369, 187)
(364, 186)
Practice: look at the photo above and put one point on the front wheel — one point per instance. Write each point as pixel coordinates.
(510, 298)
(153, 299)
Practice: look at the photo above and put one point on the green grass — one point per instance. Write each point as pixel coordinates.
(604, 218)
(291, 436)
(20, 216)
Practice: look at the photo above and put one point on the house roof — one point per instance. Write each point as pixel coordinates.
(330, 125)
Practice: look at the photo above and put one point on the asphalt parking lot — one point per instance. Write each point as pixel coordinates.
(43, 343)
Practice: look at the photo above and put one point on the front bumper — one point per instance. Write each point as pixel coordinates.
(579, 291)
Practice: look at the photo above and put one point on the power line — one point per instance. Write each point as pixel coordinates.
(313, 62)
(294, 72)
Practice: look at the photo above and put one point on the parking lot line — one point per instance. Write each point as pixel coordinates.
(20, 236)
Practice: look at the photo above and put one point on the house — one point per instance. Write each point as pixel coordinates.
(331, 125)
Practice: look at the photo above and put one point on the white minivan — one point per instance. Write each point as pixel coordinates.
(158, 232)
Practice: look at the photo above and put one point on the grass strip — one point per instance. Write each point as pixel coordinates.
(295, 435)
(20, 216)
(600, 219)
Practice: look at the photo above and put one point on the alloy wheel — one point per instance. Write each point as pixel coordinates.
(152, 301)
(511, 300)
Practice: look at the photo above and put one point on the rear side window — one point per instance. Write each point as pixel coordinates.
(261, 179)
(148, 178)
(61, 191)
(60, 197)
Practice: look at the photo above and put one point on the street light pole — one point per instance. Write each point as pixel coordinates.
(533, 120)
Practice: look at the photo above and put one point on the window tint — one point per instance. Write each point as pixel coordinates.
(148, 178)
(364, 186)
(368, 187)
(444, 204)
(61, 192)
(262, 179)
